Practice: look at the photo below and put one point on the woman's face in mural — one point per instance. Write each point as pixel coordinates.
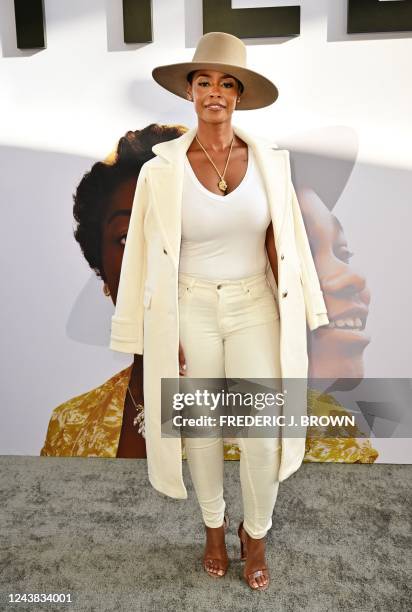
(114, 230)
(336, 350)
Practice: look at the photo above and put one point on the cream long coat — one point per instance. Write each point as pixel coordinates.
(146, 317)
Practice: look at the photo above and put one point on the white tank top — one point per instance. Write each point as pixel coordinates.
(223, 237)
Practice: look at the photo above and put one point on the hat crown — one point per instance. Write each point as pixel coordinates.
(221, 48)
(225, 53)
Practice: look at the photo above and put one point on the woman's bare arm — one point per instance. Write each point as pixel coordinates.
(271, 251)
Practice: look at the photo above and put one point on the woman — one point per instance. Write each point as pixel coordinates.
(196, 274)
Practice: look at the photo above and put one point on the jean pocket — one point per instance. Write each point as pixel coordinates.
(182, 291)
(260, 290)
(262, 296)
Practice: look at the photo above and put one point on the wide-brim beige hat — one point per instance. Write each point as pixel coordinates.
(226, 53)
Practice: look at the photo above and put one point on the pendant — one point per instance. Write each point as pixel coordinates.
(222, 185)
(139, 420)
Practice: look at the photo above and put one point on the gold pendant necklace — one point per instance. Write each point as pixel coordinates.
(222, 183)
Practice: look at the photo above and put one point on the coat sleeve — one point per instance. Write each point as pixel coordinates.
(127, 321)
(316, 312)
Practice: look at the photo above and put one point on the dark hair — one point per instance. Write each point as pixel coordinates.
(97, 186)
(239, 83)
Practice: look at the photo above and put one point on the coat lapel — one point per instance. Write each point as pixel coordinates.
(166, 183)
(271, 162)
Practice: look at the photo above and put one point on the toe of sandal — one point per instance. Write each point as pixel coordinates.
(251, 578)
(211, 570)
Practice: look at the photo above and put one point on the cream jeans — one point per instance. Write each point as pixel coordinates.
(232, 329)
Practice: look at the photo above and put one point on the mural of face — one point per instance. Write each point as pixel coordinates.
(336, 350)
(114, 230)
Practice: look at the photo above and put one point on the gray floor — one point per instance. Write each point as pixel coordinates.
(95, 528)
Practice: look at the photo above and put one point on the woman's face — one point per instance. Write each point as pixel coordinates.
(114, 230)
(214, 95)
(336, 350)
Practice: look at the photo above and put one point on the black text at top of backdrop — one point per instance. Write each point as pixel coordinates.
(218, 15)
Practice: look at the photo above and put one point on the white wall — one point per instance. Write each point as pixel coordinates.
(97, 86)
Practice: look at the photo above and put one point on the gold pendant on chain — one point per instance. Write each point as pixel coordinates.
(222, 185)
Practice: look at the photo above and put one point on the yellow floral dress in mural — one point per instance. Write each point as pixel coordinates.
(89, 425)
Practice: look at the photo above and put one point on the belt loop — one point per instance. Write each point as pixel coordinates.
(188, 281)
(245, 286)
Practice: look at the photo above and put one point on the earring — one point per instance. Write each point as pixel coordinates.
(106, 289)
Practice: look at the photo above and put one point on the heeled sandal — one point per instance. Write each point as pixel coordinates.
(208, 562)
(249, 578)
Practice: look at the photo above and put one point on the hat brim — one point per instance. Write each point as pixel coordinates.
(258, 90)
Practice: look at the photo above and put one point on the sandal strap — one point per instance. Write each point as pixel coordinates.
(208, 568)
(259, 572)
(213, 559)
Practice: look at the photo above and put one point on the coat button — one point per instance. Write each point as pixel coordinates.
(219, 287)
(164, 251)
(284, 294)
(282, 256)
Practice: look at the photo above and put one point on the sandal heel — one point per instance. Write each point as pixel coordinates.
(243, 552)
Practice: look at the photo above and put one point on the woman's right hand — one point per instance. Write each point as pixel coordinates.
(182, 361)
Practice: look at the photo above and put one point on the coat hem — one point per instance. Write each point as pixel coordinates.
(290, 470)
(169, 491)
